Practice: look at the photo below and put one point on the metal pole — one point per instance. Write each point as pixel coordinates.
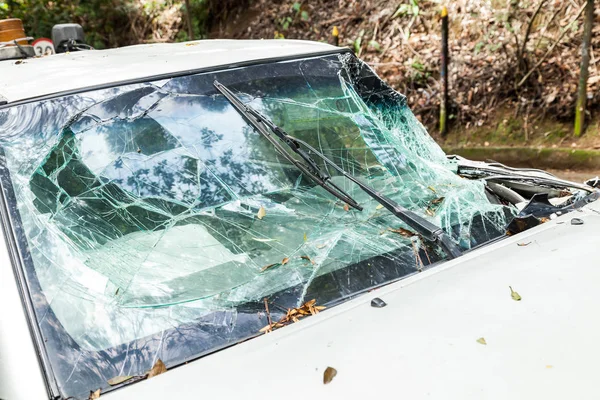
(584, 73)
(444, 74)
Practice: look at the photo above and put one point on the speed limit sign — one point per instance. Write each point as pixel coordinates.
(43, 47)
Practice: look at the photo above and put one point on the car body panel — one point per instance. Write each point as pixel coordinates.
(423, 344)
(20, 373)
(73, 71)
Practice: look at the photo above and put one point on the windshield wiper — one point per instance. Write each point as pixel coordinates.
(263, 125)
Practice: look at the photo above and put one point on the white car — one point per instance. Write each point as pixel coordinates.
(269, 219)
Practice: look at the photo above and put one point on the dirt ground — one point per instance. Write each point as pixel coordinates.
(575, 176)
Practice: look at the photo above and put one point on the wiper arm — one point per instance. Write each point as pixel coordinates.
(265, 127)
(426, 229)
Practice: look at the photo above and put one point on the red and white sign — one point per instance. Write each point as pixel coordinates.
(43, 47)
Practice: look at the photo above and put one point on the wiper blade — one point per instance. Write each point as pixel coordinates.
(424, 228)
(265, 127)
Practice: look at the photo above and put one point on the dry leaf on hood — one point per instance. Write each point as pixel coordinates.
(329, 374)
(481, 340)
(94, 395)
(515, 296)
(158, 368)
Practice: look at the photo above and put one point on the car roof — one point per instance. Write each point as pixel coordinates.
(36, 77)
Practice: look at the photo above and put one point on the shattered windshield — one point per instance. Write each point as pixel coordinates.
(152, 221)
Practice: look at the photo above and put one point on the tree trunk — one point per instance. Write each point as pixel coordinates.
(583, 75)
(188, 16)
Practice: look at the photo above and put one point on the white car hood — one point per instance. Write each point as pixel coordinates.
(423, 344)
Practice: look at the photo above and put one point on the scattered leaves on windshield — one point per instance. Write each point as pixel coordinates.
(119, 379)
(482, 341)
(307, 258)
(432, 189)
(379, 207)
(305, 237)
(329, 374)
(261, 213)
(346, 207)
(283, 262)
(94, 395)
(266, 267)
(158, 368)
(433, 205)
(294, 315)
(515, 296)
(403, 232)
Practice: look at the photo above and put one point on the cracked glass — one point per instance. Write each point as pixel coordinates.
(137, 210)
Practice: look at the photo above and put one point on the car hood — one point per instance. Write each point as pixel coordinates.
(424, 343)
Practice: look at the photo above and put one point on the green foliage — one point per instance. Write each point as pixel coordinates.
(358, 42)
(200, 16)
(111, 23)
(407, 9)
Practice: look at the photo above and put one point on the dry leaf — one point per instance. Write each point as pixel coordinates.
(266, 267)
(329, 374)
(191, 44)
(379, 207)
(403, 232)
(438, 201)
(320, 246)
(523, 244)
(305, 237)
(94, 395)
(482, 341)
(431, 188)
(261, 213)
(285, 261)
(118, 380)
(307, 258)
(294, 315)
(346, 207)
(430, 212)
(158, 368)
(515, 296)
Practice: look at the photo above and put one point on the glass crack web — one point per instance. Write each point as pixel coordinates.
(139, 206)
